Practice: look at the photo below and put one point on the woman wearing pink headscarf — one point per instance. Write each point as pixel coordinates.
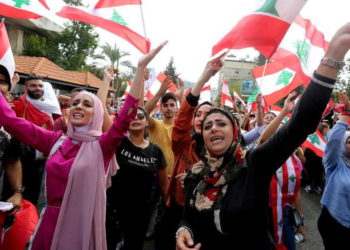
(76, 171)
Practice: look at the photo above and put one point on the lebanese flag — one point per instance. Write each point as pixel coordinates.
(226, 98)
(264, 28)
(328, 109)
(302, 48)
(6, 56)
(156, 86)
(122, 20)
(32, 9)
(127, 90)
(316, 143)
(277, 82)
(236, 96)
(251, 105)
(113, 3)
(205, 95)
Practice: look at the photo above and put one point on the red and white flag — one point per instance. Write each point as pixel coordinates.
(156, 86)
(226, 98)
(277, 82)
(251, 104)
(237, 97)
(302, 48)
(205, 95)
(328, 109)
(33, 9)
(127, 90)
(316, 143)
(121, 18)
(264, 28)
(6, 56)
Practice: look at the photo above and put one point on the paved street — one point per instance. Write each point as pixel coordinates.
(311, 210)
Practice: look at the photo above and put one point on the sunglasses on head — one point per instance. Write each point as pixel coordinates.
(140, 116)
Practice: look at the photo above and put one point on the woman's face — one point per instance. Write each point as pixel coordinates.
(139, 122)
(198, 119)
(347, 145)
(217, 133)
(325, 131)
(268, 118)
(81, 111)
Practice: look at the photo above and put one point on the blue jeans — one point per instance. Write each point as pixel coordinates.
(288, 229)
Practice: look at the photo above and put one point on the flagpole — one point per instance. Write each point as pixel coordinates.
(263, 75)
(143, 23)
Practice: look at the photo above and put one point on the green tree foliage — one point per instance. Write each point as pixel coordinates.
(113, 55)
(35, 45)
(343, 81)
(170, 70)
(260, 60)
(73, 45)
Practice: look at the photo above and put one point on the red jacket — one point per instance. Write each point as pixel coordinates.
(28, 111)
(184, 150)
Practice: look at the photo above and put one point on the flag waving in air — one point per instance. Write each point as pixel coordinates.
(251, 105)
(277, 82)
(6, 56)
(205, 95)
(316, 143)
(25, 9)
(302, 48)
(237, 97)
(159, 80)
(262, 29)
(120, 17)
(226, 98)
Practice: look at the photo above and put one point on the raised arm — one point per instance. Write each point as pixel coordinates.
(151, 104)
(111, 140)
(308, 111)
(259, 113)
(180, 91)
(210, 70)
(273, 126)
(335, 142)
(102, 94)
(25, 131)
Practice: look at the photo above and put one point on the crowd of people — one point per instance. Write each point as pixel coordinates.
(196, 177)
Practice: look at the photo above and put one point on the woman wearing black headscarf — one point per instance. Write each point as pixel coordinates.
(227, 191)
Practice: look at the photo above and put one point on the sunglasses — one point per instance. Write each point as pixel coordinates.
(140, 116)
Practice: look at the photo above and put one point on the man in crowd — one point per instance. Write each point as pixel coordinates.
(41, 109)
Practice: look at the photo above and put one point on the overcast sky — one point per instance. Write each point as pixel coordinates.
(192, 27)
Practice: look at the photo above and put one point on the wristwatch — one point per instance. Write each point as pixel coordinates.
(20, 190)
(332, 63)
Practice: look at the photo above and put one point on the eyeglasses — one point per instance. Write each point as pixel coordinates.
(140, 116)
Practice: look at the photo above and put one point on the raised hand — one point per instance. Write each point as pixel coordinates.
(108, 74)
(258, 99)
(165, 85)
(340, 43)
(343, 99)
(211, 68)
(289, 105)
(145, 60)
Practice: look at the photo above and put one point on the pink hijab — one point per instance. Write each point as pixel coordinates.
(81, 221)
